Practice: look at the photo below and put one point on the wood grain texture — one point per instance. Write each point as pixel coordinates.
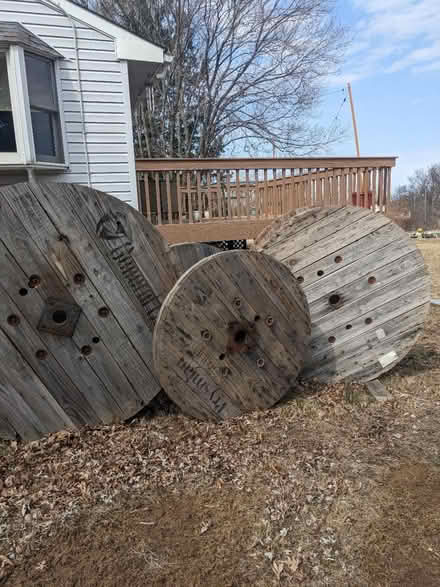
(365, 282)
(231, 335)
(80, 247)
(185, 255)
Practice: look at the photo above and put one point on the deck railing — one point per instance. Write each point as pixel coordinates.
(201, 191)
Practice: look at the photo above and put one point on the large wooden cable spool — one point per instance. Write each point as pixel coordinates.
(185, 255)
(365, 282)
(82, 279)
(231, 335)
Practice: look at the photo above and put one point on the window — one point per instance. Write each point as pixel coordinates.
(7, 132)
(43, 103)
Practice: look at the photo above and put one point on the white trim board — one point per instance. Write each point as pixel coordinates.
(128, 45)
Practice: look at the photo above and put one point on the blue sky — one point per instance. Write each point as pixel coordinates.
(393, 64)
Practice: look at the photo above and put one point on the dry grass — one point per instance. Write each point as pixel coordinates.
(431, 253)
(328, 488)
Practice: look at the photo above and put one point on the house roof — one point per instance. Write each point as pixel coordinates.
(128, 45)
(121, 27)
(13, 33)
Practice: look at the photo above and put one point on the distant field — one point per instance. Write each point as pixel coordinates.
(431, 252)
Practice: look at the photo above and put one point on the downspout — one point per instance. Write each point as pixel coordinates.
(81, 102)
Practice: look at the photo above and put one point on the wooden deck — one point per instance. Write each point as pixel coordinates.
(193, 200)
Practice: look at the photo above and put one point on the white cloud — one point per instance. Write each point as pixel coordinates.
(393, 35)
(415, 57)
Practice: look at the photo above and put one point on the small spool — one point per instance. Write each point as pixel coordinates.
(237, 302)
(260, 363)
(269, 321)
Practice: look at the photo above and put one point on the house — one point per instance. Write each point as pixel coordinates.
(68, 77)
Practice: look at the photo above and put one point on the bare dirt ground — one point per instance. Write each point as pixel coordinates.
(328, 488)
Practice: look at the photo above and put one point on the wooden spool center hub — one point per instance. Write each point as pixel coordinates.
(231, 335)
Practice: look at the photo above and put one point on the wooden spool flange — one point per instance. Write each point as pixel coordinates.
(231, 335)
(366, 285)
(82, 279)
(185, 255)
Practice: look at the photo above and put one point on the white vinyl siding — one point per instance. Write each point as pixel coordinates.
(105, 99)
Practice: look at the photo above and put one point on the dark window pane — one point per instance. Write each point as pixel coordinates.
(7, 134)
(41, 82)
(44, 136)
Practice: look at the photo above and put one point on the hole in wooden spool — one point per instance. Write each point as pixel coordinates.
(300, 279)
(86, 350)
(79, 278)
(348, 327)
(222, 357)
(59, 316)
(338, 259)
(34, 281)
(13, 320)
(257, 318)
(95, 339)
(334, 299)
(368, 320)
(320, 273)
(372, 280)
(240, 336)
(23, 291)
(331, 339)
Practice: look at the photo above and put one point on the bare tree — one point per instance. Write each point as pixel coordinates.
(421, 196)
(245, 74)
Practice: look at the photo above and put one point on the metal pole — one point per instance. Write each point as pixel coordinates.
(353, 116)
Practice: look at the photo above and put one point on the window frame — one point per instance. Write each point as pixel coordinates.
(21, 114)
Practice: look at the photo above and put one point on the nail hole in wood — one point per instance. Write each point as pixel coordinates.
(59, 316)
(334, 299)
(23, 291)
(338, 259)
(331, 339)
(222, 357)
(86, 350)
(348, 327)
(95, 339)
(34, 281)
(79, 278)
(257, 318)
(300, 279)
(41, 354)
(103, 312)
(372, 280)
(13, 320)
(368, 320)
(320, 273)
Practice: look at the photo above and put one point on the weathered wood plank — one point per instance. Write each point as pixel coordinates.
(185, 255)
(34, 411)
(377, 391)
(222, 343)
